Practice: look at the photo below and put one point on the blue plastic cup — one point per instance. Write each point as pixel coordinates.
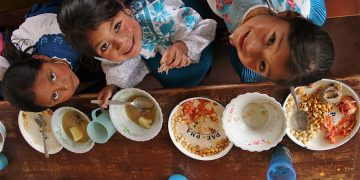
(177, 177)
(3, 161)
(281, 167)
(100, 129)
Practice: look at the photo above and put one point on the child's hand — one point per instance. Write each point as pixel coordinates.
(176, 55)
(105, 94)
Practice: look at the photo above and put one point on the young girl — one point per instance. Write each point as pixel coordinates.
(274, 41)
(118, 36)
(38, 66)
(45, 82)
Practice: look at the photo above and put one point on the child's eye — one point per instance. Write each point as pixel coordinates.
(55, 96)
(117, 27)
(53, 76)
(271, 40)
(104, 47)
(262, 66)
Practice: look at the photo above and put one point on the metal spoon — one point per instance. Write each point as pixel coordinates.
(41, 123)
(300, 116)
(140, 102)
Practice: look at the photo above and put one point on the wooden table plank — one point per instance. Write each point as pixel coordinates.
(342, 8)
(158, 158)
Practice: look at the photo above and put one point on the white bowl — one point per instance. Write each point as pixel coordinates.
(125, 125)
(30, 130)
(254, 122)
(63, 138)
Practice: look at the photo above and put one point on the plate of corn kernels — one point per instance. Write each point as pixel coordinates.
(333, 115)
(195, 127)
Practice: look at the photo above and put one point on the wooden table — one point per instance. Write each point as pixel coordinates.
(121, 158)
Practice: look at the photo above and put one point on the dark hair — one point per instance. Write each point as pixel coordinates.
(77, 17)
(19, 78)
(311, 52)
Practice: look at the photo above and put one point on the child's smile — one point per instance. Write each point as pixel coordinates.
(118, 39)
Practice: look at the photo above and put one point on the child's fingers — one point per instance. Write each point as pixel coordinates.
(177, 61)
(170, 57)
(184, 60)
(104, 96)
(188, 61)
(104, 103)
(164, 58)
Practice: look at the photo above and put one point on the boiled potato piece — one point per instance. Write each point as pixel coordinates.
(76, 133)
(144, 122)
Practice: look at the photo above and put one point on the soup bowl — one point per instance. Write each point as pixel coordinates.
(69, 128)
(254, 122)
(128, 123)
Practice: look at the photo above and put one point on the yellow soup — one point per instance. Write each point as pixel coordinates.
(143, 118)
(74, 125)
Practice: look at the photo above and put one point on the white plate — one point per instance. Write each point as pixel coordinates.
(254, 122)
(195, 136)
(318, 142)
(125, 125)
(62, 138)
(31, 131)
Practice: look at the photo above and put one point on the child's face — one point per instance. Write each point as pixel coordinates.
(262, 46)
(118, 39)
(55, 83)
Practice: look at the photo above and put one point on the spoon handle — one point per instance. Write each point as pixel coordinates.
(292, 91)
(41, 123)
(44, 137)
(110, 102)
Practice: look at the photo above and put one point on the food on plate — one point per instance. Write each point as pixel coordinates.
(31, 131)
(320, 106)
(144, 118)
(29, 115)
(74, 125)
(331, 93)
(348, 108)
(145, 122)
(197, 127)
(76, 133)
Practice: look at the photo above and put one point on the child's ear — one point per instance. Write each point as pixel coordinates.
(127, 11)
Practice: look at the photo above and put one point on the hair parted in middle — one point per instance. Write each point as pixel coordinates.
(77, 17)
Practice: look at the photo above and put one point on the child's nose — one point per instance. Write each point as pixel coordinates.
(63, 86)
(254, 48)
(120, 41)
